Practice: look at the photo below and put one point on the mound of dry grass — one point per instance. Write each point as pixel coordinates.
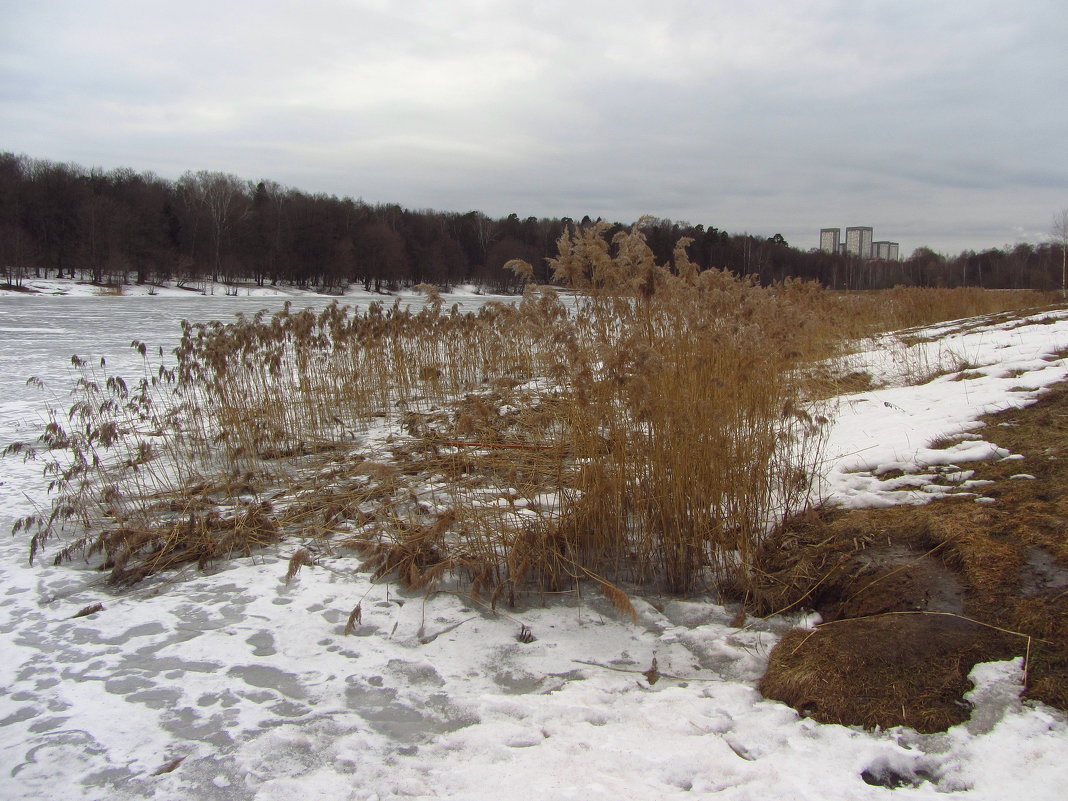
(1003, 565)
(890, 670)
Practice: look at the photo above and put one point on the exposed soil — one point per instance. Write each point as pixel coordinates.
(912, 597)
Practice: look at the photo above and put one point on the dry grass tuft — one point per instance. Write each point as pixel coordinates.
(168, 767)
(652, 675)
(301, 558)
(85, 611)
(892, 670)
(355, 618)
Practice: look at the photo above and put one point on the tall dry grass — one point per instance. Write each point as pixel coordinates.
(649, 427)
(861, 314)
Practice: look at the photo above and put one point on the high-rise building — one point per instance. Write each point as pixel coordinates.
(830, 238)
(858, 241)
(887, 251)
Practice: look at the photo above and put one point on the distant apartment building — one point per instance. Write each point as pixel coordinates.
(858, 241)
(830, 239)
(887, 251)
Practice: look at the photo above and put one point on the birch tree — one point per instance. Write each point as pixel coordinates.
(223, 199)
(1059, 233)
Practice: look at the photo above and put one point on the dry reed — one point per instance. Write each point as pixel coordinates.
(651, 428)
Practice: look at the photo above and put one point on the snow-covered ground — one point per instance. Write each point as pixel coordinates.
(76, 288)
(973, 370)
(236, 685)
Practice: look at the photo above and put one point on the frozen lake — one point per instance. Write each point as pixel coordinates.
(40, 334)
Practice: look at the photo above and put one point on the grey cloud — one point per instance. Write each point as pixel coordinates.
(938, 123)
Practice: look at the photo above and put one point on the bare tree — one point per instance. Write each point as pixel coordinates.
(379, 254)
(1059, 233)
(223, 198)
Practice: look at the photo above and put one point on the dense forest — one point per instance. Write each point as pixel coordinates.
(61, 220)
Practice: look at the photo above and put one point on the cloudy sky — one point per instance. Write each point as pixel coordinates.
(939, 122)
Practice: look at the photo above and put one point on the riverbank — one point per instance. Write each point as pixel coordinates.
(240, 682)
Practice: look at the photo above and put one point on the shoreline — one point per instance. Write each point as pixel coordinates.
(70, 287)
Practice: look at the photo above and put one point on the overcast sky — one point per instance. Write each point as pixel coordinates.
(938, 122)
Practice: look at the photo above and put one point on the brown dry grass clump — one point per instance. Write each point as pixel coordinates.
(1004, 565)
(891, 670)
(652, 428)
(649, 429)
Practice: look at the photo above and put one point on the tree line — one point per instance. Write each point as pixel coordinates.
(121, 226)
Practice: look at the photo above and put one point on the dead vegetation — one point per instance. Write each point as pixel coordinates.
(913, 596)
(650, 429)
(892, 670)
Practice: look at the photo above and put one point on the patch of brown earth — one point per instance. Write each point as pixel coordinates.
(978, 581)
(894, 578)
